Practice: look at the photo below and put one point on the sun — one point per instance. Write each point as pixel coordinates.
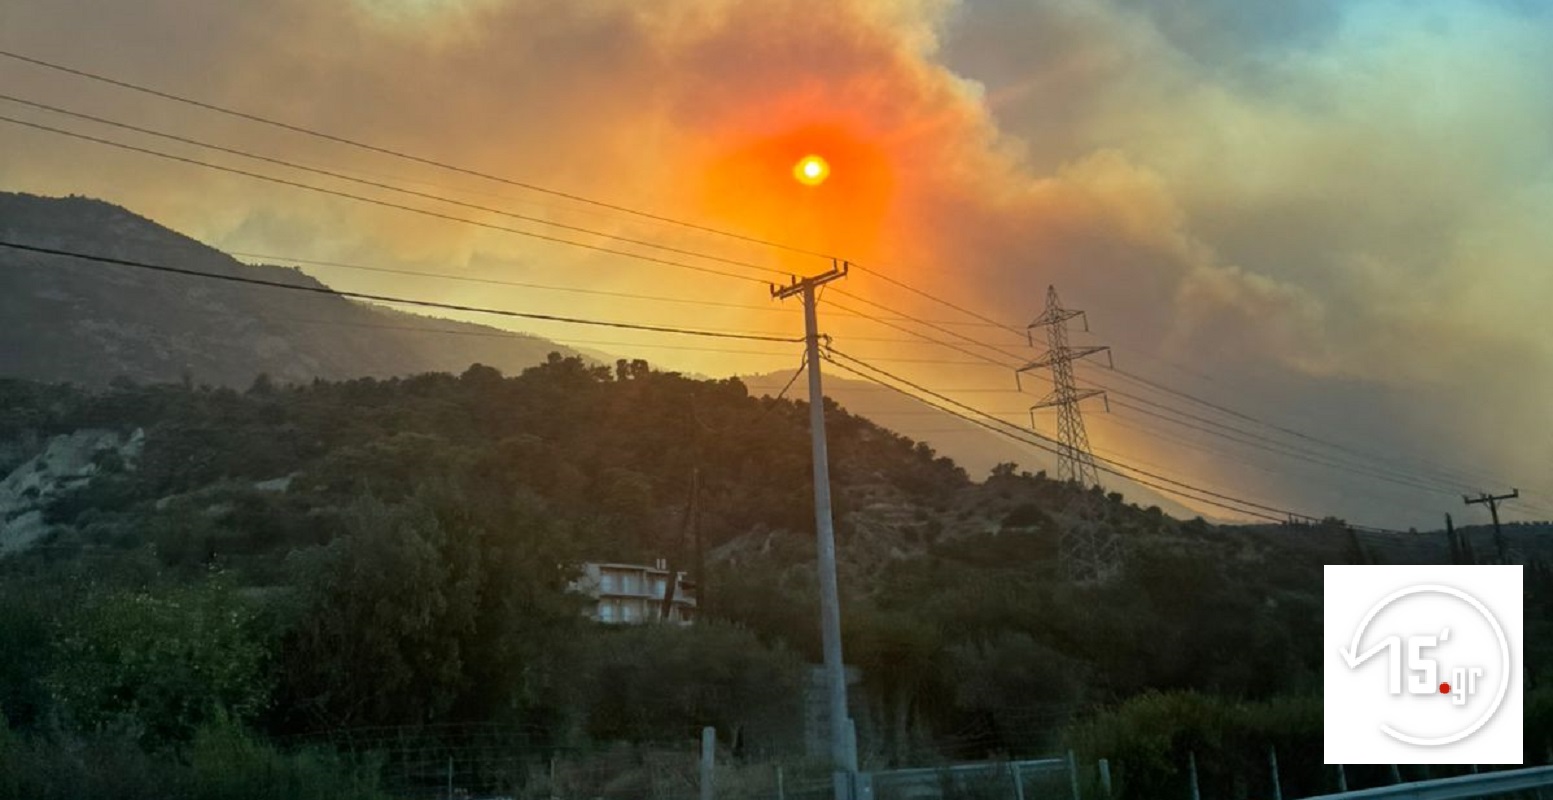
(811, 170)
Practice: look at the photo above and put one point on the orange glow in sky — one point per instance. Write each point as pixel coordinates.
(772, 180)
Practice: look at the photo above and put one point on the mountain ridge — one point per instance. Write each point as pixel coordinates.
(89, 323)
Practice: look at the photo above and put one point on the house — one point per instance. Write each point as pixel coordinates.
(633, 593)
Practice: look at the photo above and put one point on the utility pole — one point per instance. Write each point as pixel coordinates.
(843, 752)
(703, 585)
(1492, 501)
(1087, 551)
(687, 523)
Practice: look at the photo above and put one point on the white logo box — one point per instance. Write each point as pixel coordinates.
(1422, 664)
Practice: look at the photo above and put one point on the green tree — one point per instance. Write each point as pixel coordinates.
(1025, 688)
(380, 641)
(663, 683)
(903, 667)
(164, 660)
(445, 605)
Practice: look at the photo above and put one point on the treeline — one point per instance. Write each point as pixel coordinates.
(341, 556)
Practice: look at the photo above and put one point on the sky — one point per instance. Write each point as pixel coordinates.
(1326, 216)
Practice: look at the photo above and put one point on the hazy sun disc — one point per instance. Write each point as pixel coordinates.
(811, 170)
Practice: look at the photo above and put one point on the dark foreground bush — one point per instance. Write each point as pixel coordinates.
(1152, 739)
(224, 762)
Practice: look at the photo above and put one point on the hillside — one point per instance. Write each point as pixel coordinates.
(972, 446)
(88, 323)
(395, 555)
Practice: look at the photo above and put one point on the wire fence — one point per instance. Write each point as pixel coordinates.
(447, 760)
(470, 761)
(1015, 780)
(513, 762)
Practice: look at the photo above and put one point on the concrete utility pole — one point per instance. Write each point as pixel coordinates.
(1492, 501)
(843, 753)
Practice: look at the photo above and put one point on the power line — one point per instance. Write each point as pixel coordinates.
(941, 301)
(403, 155)
(1048, 445)
(1105, 465)
(993, 361)
(980, 357)
(1282, 448)
(1419, 463)
(424, 195)
(1181, 441)
(925, 323)
(271, 258)
(268, 258)
(1368, 472)
(1129, 375)
(922, 336)
(1011, 431)
(391, 299)
(499, 334)
(1380, 470)
(1145, 381)
(972, 390)
(803, 364)
(928, 412)
(391, 187)
(1440, 487)
(379, 202)
(252, 117)
(1155, 432)
(1274, 447)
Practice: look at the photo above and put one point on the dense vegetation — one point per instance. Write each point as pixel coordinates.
(281, 565)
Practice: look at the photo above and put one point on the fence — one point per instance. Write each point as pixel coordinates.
(1019, 780)
(450, 760)
(472, 761)
(476, 762)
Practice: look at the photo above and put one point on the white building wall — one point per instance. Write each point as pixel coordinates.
(633, 593)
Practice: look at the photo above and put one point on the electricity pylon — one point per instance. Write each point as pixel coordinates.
(1088, 552)
(1075, 462)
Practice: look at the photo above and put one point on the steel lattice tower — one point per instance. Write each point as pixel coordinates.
(1088, 551)
(1075, 463)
